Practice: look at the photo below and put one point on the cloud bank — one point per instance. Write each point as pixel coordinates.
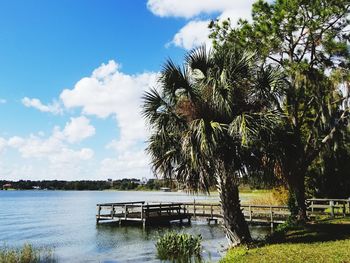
(106, 93)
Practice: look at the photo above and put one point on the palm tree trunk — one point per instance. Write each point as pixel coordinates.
(237, 231)
(296, 182)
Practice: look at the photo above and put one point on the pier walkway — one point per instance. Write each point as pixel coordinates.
(160, 213)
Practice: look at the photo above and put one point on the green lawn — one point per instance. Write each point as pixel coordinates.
(322, 241)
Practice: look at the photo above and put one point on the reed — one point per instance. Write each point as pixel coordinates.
(179, 247)
(26, 254)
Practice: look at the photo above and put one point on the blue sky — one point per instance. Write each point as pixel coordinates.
(72, 74)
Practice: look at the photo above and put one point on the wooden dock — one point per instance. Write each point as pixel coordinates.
(159, 213)
(141, 212)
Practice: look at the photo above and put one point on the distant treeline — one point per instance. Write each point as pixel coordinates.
(123, 184)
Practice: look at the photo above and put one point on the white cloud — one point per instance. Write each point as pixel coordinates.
(3, 101)
(66, 155)
(36, 147)
(191, 8)
(54, 148)
(46, 158)
(196, 31)
(110, 92)
(126, 165)
(3, 144)
(78, 129)
(105, 70)
(15, 141)
(54, 107)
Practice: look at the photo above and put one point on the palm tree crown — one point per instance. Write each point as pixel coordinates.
(207, 112)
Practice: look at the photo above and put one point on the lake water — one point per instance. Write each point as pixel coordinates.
(65, 222)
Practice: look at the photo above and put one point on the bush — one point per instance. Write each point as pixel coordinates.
(179, 247)
(27, 254)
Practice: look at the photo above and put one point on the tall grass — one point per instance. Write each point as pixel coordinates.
(179, 247)
(26, 254)
(278, 196)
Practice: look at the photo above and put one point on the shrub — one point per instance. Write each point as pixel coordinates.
(179, 247)
(27, 254)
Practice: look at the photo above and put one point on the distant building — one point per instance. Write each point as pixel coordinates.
(36, 187)
(165, 189)
(6, 186)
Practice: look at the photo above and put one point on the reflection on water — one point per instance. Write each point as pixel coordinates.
(65, 221)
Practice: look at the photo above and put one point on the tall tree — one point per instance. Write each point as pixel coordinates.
(202, 117)
(309, 40)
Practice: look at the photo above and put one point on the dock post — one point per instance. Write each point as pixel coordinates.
(147, 212)
(143, 220)
(112, 212)
(271, 217)
(194, 208)
(141, 212)
(125, 211)
(250, 213)
(331, 205)
(98, 214)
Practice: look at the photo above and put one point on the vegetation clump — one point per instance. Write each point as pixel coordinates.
(26, 254)
(179, 247)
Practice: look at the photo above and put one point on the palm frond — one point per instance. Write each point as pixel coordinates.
(174, 79)
(198, 59)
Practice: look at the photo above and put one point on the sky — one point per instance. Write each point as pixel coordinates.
(72, 74)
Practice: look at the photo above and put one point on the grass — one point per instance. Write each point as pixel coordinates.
(324, 240)
(26, 254)
(275, 196)
(334, 251)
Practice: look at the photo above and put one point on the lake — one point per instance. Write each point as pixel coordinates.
(65, 221)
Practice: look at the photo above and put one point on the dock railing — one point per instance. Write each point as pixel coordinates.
(332, 207)
(253, 213)
(139, 211)
(157, 211)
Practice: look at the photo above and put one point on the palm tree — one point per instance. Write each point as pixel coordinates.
(207, 118)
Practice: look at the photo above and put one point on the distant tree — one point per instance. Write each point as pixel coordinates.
(309, 40)
(204, 118)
